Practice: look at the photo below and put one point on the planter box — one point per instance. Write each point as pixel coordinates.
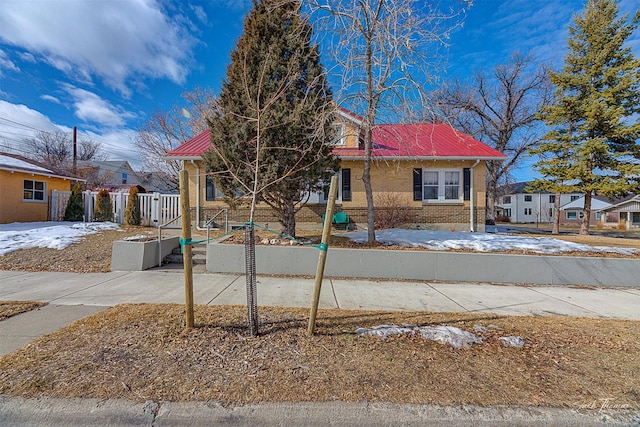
(129, 255)
(430, 265)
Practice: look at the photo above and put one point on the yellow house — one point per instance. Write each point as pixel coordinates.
(431, 171)
(25, 189)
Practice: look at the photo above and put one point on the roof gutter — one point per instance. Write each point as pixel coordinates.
(197, 166)
(41, 173)
(472, 209)
(487, 158)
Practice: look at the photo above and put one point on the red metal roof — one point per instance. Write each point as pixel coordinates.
(423, 140)
(193, 148)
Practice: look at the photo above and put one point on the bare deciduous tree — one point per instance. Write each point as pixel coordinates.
(501, 110)
(55, 149)
(384, 53)
(166, 130)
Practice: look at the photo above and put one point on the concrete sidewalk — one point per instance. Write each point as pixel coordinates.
(72, 296)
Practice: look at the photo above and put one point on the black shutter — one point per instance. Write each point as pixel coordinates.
(346, 185)
(466, 172)
(417, 184)
(210, 192)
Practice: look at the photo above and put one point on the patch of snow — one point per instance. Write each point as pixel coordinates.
(12, 162)
(456, 337)
(481, 242)
(451, 335)
(137, 237)
(385, 331)
(54, 235)
(512, 341)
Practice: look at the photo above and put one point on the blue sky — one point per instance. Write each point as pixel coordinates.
(106, 65)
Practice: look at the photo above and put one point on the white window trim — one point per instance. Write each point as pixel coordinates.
(44, 191)
(441, 185)
(341, 130)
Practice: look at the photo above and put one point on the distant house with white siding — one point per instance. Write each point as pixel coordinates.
(523, 204)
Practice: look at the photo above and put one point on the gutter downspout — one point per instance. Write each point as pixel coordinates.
(471, 198)
(197, 193)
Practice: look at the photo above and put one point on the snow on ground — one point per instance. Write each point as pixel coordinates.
(59, 235)
(481, 242)
(54, 235)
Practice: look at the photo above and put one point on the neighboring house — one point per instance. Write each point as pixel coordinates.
(118, 175)
(109, 174)
(159, 182)
(572, 213)
(523, 204)
(25, 189)
(624, 213)
(434, 171)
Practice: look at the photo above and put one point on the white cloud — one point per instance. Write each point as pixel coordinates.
(19, 122)
(200, 13)
(50, 98)
(91, 108)
(115, 40)
(117, 145)
(6, 63)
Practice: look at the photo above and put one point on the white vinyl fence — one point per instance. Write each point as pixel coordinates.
(155, 209)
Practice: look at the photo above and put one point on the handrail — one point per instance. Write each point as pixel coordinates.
(160, 238)
(210, 221)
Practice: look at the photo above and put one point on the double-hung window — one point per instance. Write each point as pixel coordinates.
(34, 191)
(441, 185)
(340, 133)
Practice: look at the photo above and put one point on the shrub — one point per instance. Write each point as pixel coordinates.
(503, 218)
(132, 211)
(75, 207)
(103, 211)
(391, 211)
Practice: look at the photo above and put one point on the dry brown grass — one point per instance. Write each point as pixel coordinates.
(11, 308)
(91, 255)
(141, 352)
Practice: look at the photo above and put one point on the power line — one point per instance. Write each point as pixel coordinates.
(101, 140)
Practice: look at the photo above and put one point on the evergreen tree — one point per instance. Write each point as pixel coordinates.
(75, 206)
(132, 211)
(270, 140)
(103, 211)
(594, 119)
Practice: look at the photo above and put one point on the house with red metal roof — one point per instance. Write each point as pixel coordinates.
(433, 172)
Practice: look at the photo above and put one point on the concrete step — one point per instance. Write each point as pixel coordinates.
(178, 259)
(199, 250)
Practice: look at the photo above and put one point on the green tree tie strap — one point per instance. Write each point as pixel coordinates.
(184, 242)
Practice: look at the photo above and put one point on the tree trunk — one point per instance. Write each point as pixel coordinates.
(491, 203)
(368, 189)
(556, 216)
(492, 190)
(584, 226)
(288, 219)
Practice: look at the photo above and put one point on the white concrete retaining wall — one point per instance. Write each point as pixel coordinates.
(129, 255)
(428, 265)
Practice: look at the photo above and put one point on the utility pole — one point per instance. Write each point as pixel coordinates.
(75, 150)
